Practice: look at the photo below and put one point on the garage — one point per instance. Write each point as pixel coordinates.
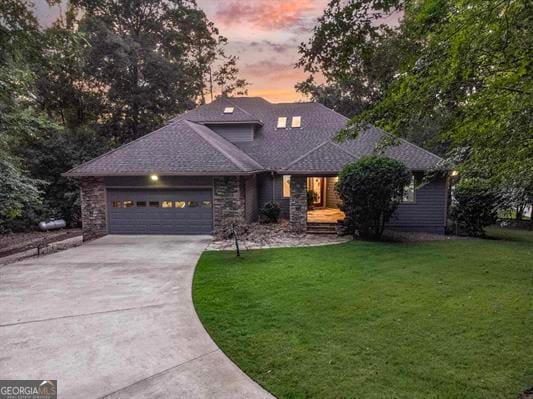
(160, 211)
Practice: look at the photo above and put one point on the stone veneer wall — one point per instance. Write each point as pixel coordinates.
(228, 200)
(93, 207)
(298, 204)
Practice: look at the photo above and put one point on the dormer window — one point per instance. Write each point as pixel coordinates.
(296, 121)
(282, 122)
(229, 110)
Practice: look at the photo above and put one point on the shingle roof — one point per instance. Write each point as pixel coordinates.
(187, 146)
(182, 147)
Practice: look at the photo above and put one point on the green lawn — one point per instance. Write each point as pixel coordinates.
(447, 319)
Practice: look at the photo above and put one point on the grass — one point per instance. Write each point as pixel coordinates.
(448, 319)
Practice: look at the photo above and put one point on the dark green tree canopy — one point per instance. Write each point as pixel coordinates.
(371, 190)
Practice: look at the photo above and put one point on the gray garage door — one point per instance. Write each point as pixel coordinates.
(133, 211)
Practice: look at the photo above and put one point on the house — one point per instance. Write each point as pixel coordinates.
(228, 158)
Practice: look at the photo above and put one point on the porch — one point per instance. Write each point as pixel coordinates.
(324, 215)
(314, 204)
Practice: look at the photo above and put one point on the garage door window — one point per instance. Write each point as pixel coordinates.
(128, 204)
(206, 204)
(193, 204)
(166, 204)
(180, 204)
(141, 204)
(154, 204)
(117, 204)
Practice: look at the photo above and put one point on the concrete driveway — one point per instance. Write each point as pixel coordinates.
(114, 318)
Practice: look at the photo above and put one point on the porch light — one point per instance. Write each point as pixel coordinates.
(154, 177)
(455, 173)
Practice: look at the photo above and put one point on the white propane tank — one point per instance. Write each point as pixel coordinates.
(52, 225)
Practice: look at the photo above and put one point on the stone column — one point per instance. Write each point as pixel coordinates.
(93, 207)
(228, 200)
(298, 204)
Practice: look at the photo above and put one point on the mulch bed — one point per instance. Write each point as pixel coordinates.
(19, 242)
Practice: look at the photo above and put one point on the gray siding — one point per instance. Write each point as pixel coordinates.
(332, 199)
(266, 193)
(234, 133)
(427, 213)
(163, 182)
(251, 199)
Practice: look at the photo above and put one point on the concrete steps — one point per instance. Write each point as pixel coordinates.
(321, 228)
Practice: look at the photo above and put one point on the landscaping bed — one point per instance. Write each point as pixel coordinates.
(438, 319)
(19, 242)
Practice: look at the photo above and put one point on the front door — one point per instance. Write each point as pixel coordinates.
(316, 184)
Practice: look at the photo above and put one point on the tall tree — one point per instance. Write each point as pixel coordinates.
(355, 51)
(472, 72)
(152, 58)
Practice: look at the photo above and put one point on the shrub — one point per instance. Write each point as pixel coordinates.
(370, 190)
(474, 205)
(269, 213)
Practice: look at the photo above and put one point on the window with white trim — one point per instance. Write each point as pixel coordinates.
(282, 122)
(286, 186)
(409, 191)
(229, 110)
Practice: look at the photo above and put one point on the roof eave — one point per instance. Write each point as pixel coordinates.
(125, 174)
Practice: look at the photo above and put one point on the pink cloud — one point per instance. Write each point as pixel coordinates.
(267, 14)
(272, 68)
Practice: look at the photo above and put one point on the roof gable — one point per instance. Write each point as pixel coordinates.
(179, 148)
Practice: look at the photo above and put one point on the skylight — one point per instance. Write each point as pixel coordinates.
(229, 110)
(296, 121)
(282, 122)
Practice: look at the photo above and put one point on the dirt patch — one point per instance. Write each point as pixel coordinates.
(19, 242)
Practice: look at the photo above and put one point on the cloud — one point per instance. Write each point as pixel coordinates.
(269, 14)
(269, 46)
(272, 68)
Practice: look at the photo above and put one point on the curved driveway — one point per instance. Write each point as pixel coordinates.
(114, 318)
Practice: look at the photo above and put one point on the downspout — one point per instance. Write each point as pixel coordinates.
(273, 187)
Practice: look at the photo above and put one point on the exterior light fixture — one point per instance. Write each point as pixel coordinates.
(455, 173)
(154, 177)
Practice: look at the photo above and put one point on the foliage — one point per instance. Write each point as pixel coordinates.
(270, 212)
(152, 59)
(52, 153)
(356, 53)
(104, 73)
(471, 73)
(18, 192)
(370, 190)
(475, 205)
(312, 197)
(367, 318)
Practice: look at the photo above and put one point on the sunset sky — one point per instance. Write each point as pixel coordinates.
(264, 34)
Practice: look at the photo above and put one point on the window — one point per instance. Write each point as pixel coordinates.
(179, 204)
(206, 204)
(117, 204)
(282, 122)
(128, 204)
(166, 204)
(229, 110)
(193, 204)
(154, 204)
(141, 204)
(296, 121)
(409, 191)
(286, 186)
